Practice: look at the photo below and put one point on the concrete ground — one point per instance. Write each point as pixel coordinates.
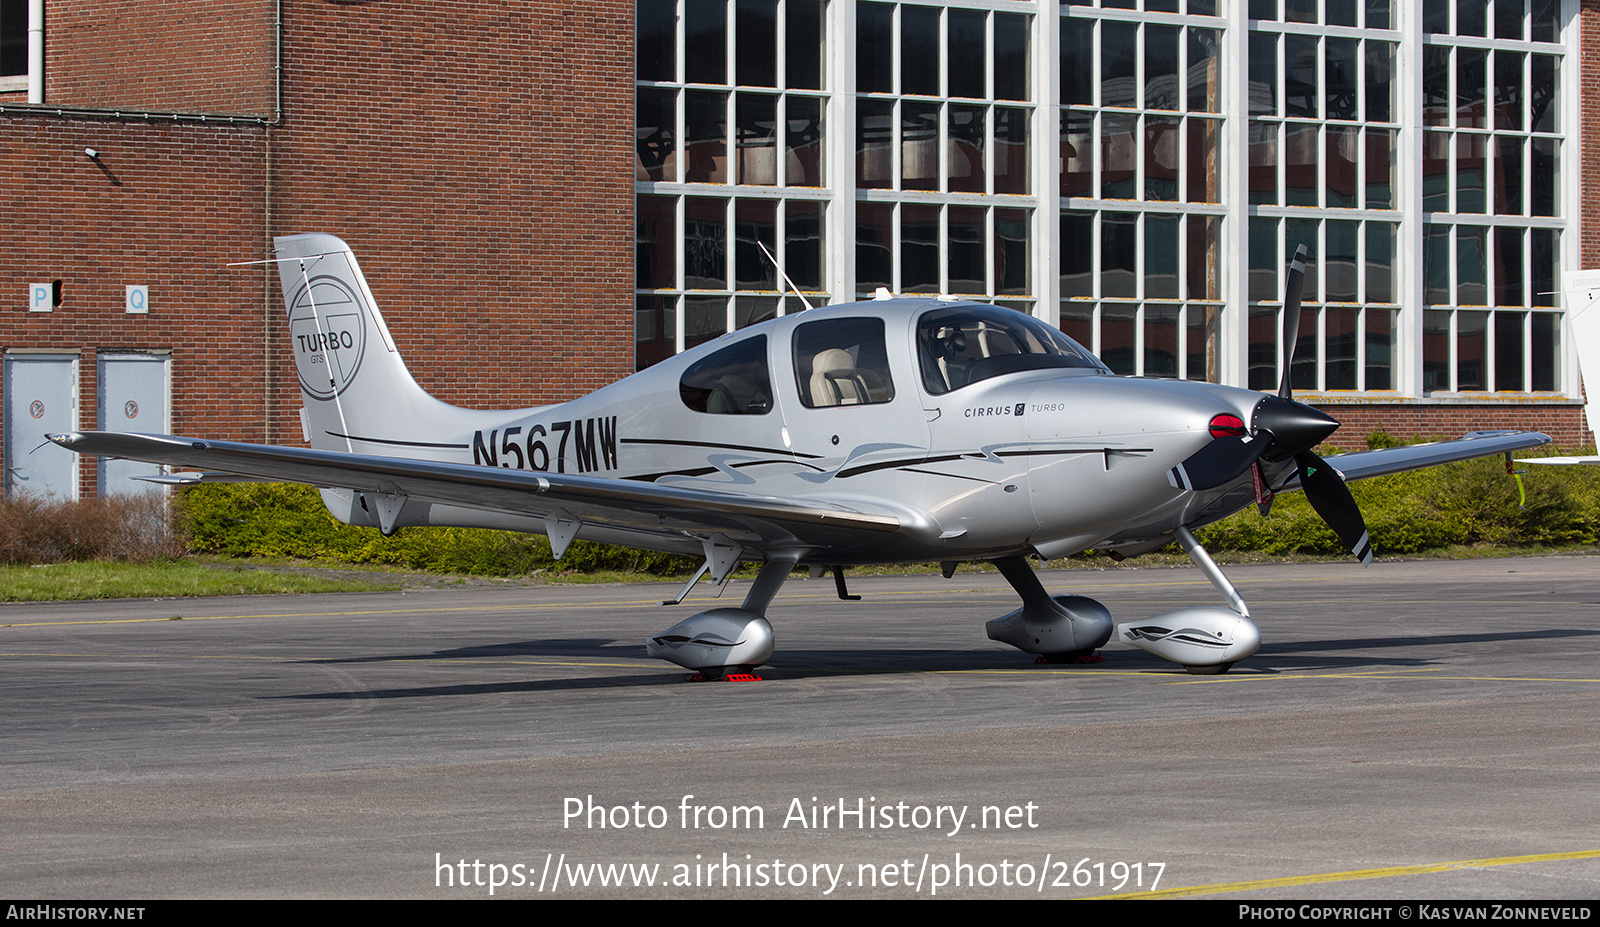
(1412, 730)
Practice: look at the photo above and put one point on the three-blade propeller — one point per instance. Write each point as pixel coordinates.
(1281, 429)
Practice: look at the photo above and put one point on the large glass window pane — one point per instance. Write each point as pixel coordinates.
(1508, 347)
(1300, 181)
(1160, 257)
(1263, 163)
(1119, 254)
(1204, 264)
(655, 129)
(1435, 85)
(1542, 95)
(1380, 168)
(1204, 184)
(1263, 74)
(1341, 77)
(1077, 154)
(1340, 12)
(1300, 11)
(1436, 264)
(1546, 21)
(1300, 95)
(1543, 267)
(1507, 90)
(1161, 148)
(874, 144)
(1472, 265)
(1011, 277)
(1119, 64)
(919, 145)
(1077, 321)
(706, 136)
(1161, 89)
(1011, 57)
(1205, 71)
(1200, 343)
(705, 41)
(1380, 14)
(1436, 171)
(803, 44)
(705, 243)
(655, 30)
(1077, 61)
(655, 329)
(1472, 350)
(919, 248)
(1077, 255)
(1343, 185)
(1380, 262)
(756, 26)
(1470, 164)
(919, 50)
(969, 240)
(1119, 151)
(1508, 175)
(874, 246)
(1542, 176)
(1436, 351)
(1472, 77)
(1264, 259)
(1011, 150)
(1471, 17)
(704, 318)
(756, 138)
(1546, 344)
(968, 52)
(1380, 348)
(1508, 19)
(803, 142)
(803, 245)
(874, 35)
(1263, 348)
(1380, 82)
(1160, 340)
(655, 265)
(755, 225)
(1340, 250)
(965, 157)
(1508, 289)
(1339, 346)
(1119, 331)
(1436, 16)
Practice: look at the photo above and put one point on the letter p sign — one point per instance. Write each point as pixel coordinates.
(41, 297)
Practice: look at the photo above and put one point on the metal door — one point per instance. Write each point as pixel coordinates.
(134, 391)
(41, 397)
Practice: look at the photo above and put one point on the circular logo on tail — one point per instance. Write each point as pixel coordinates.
(328, 327)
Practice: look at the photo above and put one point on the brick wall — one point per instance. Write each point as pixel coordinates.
(1565, 424)
(212, 57)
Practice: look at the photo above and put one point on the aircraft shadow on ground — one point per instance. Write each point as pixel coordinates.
(800, 664)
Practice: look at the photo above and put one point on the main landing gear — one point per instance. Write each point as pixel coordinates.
(1206, 639)
(727, 643)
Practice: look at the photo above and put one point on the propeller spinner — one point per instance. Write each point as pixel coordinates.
(1281, 429)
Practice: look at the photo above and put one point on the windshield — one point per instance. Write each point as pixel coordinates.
(962, 345)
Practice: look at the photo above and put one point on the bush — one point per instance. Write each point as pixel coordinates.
(287, 520)
(135, 528)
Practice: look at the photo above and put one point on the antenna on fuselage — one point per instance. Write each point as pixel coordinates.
(790, 283)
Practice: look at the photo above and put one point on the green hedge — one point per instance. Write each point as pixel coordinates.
(1473, 502)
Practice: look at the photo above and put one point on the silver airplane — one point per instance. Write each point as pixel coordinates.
(900, 430)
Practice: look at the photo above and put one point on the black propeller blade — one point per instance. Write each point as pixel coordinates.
(1328, 494)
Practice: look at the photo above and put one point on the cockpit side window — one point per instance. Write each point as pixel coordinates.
(732, 381)
(842, 362)
(962, 345)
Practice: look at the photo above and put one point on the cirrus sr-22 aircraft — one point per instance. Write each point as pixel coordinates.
(901, 430)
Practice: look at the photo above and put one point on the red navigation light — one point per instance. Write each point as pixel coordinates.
(1227, 426)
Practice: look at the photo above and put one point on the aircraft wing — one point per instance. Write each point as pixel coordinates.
(758, 521)
(1364, 464)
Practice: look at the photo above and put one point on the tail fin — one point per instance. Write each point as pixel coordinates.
(358, 394)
